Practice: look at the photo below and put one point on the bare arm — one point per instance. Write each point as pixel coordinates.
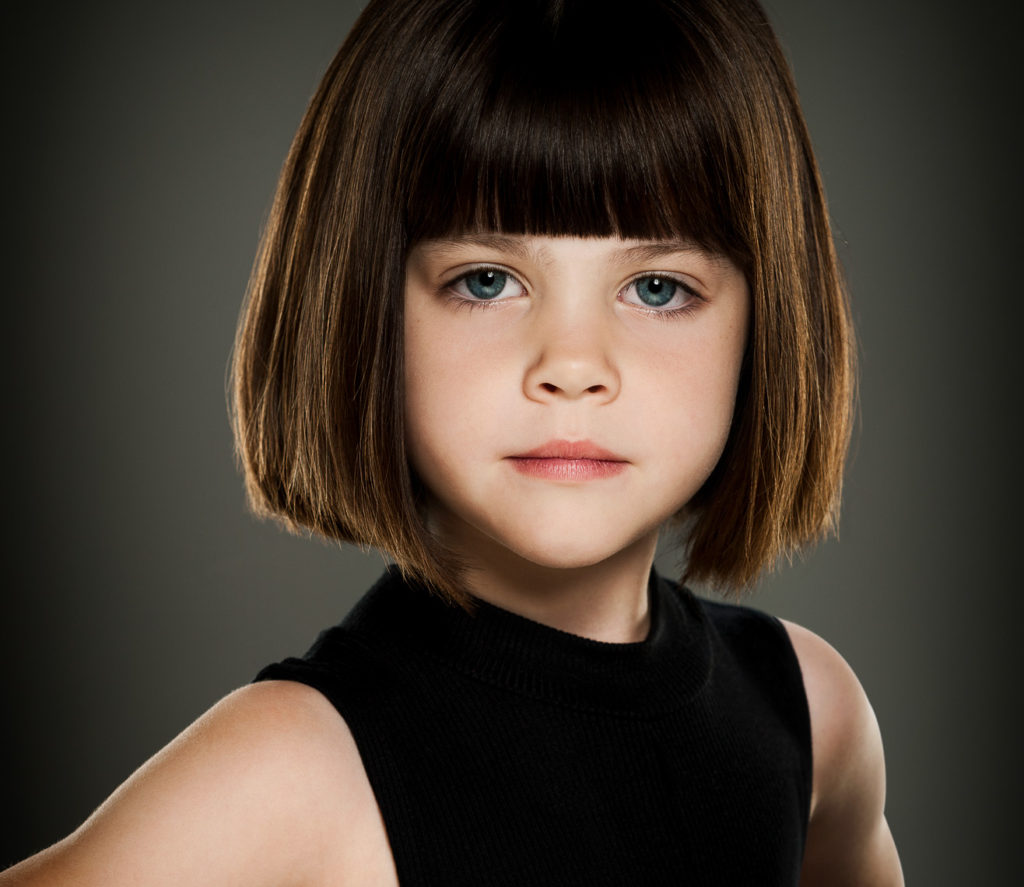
(256, 792)
(848, 840)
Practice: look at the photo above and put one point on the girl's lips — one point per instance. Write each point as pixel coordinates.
(570, 449)
(569, 461)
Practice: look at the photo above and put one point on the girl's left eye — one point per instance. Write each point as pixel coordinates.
(659, 292)
(487, 285)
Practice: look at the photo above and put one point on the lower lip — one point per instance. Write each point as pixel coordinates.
(568, 469)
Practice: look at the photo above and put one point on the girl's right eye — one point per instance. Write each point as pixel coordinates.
(487, 285)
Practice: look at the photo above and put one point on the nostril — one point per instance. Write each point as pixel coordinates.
(552, 388)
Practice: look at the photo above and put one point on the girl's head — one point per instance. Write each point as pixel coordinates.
(647, 121)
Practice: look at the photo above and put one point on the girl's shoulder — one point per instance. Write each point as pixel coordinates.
(842, 720)
(847, 831)
(267, 787)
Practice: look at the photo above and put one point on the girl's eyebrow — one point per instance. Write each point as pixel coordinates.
(514, 245)
(659, 249)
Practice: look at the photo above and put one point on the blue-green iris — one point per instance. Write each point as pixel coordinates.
(655, 291)
(486, 284)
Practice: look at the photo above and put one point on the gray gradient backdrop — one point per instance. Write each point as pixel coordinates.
(144, 143)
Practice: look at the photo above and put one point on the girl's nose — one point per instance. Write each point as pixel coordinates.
(572, 359)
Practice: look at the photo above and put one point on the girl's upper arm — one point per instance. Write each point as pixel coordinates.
(848, 839)
(246, 795)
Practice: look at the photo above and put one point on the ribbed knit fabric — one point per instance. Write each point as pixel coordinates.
(505, 752)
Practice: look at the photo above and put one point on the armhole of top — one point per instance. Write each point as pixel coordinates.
(767, 651)
(802, 705)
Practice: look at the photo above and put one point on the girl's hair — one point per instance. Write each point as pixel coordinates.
(646, 119)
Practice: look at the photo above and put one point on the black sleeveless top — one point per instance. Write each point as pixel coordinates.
(505, 752)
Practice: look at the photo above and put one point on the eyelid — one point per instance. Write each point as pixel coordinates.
(453, 274)
(686, 281)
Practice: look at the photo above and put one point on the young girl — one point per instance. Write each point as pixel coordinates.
(541, 279)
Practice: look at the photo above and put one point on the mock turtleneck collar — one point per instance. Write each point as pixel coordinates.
(506, 650)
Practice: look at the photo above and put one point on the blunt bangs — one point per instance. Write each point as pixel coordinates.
(589, 122)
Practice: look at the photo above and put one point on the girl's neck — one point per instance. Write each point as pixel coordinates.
(605, 602)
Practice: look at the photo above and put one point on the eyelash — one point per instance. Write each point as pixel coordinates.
(695, 298)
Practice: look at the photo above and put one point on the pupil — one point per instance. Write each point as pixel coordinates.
(486, 284)
(655, 291)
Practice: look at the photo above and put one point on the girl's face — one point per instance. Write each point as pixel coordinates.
(565, 396)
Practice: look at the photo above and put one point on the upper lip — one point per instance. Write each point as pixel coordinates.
(570, 449)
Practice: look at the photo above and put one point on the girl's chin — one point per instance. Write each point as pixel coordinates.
(571, 553)
(570, 543)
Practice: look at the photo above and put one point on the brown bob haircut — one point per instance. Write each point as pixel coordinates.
(644, 119)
